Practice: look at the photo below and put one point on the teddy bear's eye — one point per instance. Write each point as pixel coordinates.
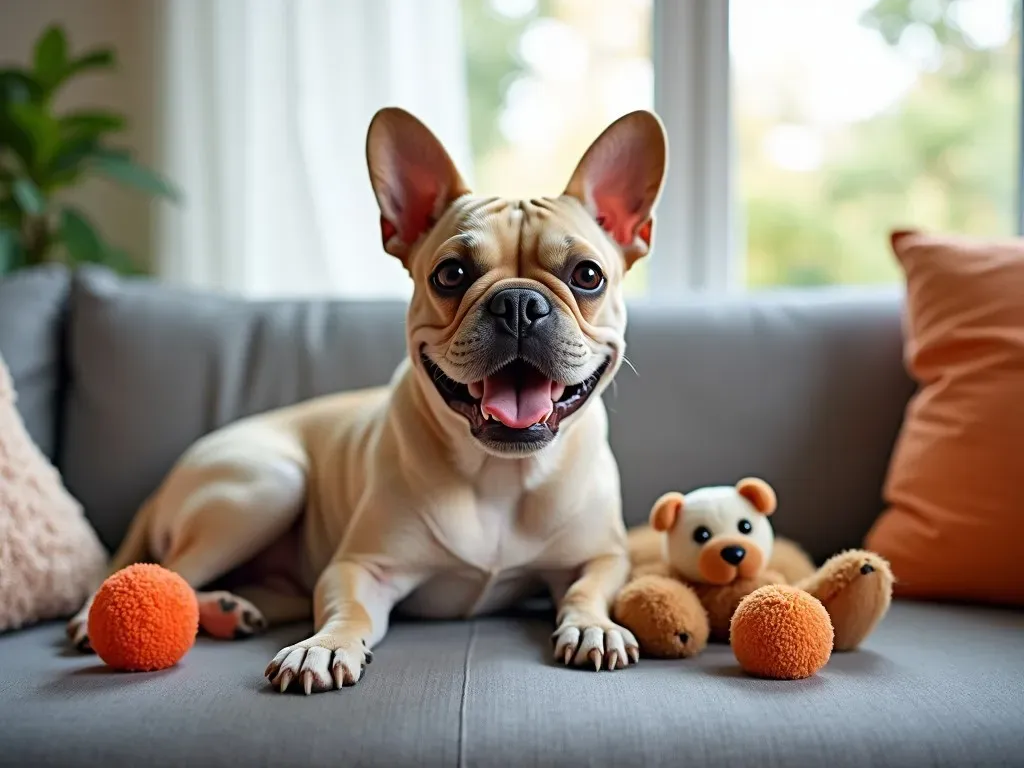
(745, 526)
(701, 535)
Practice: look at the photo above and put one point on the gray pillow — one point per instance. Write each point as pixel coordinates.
(32, 303)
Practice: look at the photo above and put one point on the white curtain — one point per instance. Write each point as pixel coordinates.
(264, 111)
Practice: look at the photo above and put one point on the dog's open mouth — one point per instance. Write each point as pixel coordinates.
(517, 403)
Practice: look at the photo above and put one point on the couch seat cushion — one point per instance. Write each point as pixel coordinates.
(935, 685)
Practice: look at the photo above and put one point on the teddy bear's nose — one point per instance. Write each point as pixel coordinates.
(733, 555)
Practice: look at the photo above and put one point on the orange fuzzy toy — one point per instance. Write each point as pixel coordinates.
(781, 632)
(144, 618)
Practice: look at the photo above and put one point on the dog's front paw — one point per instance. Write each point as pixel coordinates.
(320, 664)
(595, 643)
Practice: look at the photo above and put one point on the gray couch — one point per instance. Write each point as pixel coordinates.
(806, 389)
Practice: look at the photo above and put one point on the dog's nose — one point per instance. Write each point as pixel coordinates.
(518, 311)
(733, 555)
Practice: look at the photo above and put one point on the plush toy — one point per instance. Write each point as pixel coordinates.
(706, 552)
(143, 618)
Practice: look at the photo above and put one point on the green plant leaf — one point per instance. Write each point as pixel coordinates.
(28, 196)
(120, 167)
(80, 238)
(84, 244)
(119, 260)
(42, 130)
(17, 86)
(92, 122)
(11, 255)
(99, 59)
(51, 59)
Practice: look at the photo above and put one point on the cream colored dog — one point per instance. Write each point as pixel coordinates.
(480, 474)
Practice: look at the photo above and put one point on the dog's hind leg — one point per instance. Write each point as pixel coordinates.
(213, 516)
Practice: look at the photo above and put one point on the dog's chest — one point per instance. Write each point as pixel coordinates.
(490, 531)
(493, 550)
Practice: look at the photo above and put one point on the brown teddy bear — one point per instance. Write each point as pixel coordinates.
(704, 552)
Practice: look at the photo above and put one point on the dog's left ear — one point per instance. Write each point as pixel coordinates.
(619, 180)
(758, 493)
(413, 178)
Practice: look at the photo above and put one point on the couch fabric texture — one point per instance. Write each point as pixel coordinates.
(806, 390)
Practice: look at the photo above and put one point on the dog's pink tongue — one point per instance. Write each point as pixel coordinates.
(518, 403)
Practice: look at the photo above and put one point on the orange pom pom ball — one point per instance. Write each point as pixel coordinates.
(782, 633)
(144, 618)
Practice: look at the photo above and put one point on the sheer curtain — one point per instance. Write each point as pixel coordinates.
(264, 110)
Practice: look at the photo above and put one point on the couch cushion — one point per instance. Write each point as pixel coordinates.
(32, 303)
(59, 708)
(804, 389)
(934, 685)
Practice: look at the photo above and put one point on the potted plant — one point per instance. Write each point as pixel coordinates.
(43, 153)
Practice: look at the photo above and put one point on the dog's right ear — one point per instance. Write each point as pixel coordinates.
(413, 178)
(666, 510)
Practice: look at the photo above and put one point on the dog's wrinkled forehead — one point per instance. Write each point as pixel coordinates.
(519, 238)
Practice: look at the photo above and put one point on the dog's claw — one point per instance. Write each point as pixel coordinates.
(567, 656)
(307, 682)
(613, 660)
(286, 678)
(634, 653)
(595, 657)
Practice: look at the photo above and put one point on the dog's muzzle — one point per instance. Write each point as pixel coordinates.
(523, 372)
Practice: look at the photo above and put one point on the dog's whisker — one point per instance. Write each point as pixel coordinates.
(631, 366)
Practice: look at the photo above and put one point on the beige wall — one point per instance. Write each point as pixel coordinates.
(123, 216)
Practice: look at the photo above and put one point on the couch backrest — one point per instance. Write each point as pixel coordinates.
(32, 306)
(804, 389)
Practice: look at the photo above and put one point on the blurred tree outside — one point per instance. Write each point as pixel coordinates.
(546, 76)
(943, 157)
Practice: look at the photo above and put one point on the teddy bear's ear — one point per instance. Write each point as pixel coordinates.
(759, 493)
(665, 512)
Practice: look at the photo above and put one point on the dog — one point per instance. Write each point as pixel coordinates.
(480, 474)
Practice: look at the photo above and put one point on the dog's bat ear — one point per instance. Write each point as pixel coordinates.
(759, 494)
(666, 510)
(619, 180)
(413, 178)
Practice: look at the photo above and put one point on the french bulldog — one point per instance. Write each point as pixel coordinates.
(480, 474)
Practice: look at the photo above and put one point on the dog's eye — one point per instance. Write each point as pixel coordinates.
(450, 276)
(701, 535)
(745, 526)
(587, 277)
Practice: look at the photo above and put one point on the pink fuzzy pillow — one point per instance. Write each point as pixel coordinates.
(50, 557)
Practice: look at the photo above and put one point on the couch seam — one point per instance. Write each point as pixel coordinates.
(465, 695)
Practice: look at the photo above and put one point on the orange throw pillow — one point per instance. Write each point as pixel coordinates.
(954, 524)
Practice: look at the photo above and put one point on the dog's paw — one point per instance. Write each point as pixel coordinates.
(229, 617)
(597, 644)
(78, 631)
(319, 664)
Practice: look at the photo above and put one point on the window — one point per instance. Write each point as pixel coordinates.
(801, 131)
(853, 117)
(545, 78)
